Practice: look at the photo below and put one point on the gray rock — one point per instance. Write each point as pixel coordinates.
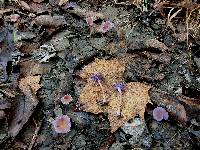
(110, 12)
(139, 133)
(79, 142)
(135, 127)
(117, 146)
(24, 36)
(81, 118)
(98, 43)
(60, 41)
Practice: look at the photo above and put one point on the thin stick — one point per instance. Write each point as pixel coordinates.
(35, 135)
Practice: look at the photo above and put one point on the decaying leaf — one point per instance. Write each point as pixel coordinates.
(133, 100)
(38, 1)
(190, 101)
(91, 95)
(31, 68)
(112, 70)
(24, 106)
(22, 110)
(154, 43)
(85, 13)
(8, 92)
(24, 5)
(50, 21)
(30, 82)
(4, 104)
(61, 2)
(137, 3)
(6, 49)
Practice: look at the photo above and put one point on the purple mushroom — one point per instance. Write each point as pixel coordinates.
(119, 87)
(160, 113)
(106, 26)
(98, 78)
(62, 124)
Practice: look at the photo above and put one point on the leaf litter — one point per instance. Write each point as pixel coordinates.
(141, 60)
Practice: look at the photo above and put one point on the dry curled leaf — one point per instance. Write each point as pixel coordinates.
(30, 82)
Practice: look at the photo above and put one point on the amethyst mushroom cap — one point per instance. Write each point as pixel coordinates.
(160, 113)
(97, 77)
(119, 87)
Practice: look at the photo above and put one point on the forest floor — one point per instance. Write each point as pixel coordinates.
(90, 75)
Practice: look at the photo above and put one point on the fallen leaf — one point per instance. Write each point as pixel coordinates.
(91, 94)
(84, 13)
(154, 43)
(134, 100)
(4, 104)
(61, 2)
(24, 5)
(134, 97)
(111, 70)
(190, 101)
(38, 8)
(38, 1)
(50, 21)
(2, 114)
(8, 92)
(6, 49)
(22, 109)
(30, 82)
(31, 68)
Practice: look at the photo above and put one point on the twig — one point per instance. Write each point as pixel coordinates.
(35, 134)
(7, 10)
(173, 137)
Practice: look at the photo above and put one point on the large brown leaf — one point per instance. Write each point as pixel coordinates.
(132, 102)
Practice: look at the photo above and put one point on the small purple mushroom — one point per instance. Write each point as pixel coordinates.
(160, 113)
(119, 87)
(90, 20)
(97, 77)
(62, 124)
(106, 26)
(66, 99)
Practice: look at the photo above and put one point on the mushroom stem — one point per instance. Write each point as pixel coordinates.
(120, 102)
(103, 92)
